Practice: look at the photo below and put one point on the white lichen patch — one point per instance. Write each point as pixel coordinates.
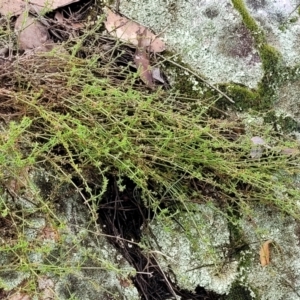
(281, 24)
(100, 272)
(209, 36)
(64, 246)
(35, 225)
(281, 278)
(289, 101)
(11, 279)
(195, 250)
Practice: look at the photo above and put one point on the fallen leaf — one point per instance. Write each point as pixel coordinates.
(49, 5)
(12, 8)
(264, 253)
(18, 296)
(59, 17)
(157, 75)
(142, 62)
(290, 151)
(32, 34)
(256, 140)
(46, 287)
(128, 30)
(66, 22)
(16, 7)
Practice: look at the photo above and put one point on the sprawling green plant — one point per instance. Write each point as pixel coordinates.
(166, 144)
(80, 121)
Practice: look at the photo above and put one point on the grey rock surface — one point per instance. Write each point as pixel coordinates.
(197, 249)
(280, 279)
(211, 38)
(78, 261)
(210, 35)
(281, 24)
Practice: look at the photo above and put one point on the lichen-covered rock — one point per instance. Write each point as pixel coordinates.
(242, 42)
(209, 36)
(59, 251)
(281, 24)
(194, 246)
(281, 278)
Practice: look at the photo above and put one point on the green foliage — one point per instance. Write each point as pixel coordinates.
(283, 123)
(270, 58)
(158, 138)
(243, 97)
(82, 123)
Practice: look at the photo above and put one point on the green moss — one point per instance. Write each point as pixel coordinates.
(238, 292)
(249, 21)
(273, 75)
(282, 27)
(186, 83)
(291, 74)
(244, 98)
(270, 58)
(293, 20)
(185, 86)
(284, 124)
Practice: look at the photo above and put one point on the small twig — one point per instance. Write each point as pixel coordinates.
(286, 19)
(118, 6)
(171, 290)
(199, 77)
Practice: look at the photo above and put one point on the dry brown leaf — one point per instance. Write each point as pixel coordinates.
(46, 287)
(12, 8)
(49, 5)
(77, 26)
(264, 253)
(49, 233)
(32, 34)
(290, 151)
(19, 296)
(66, 22)
(157, 75)
(16, 7)
(59, 17)
(128, 30)
(142, 62)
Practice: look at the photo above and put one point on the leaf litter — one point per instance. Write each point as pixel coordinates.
(32, 34)
(16, 7)
(141, 37)
(142, 61)
(264, 253)
(129, 31)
